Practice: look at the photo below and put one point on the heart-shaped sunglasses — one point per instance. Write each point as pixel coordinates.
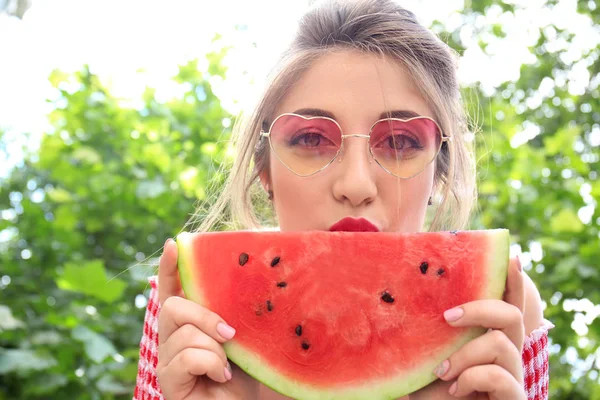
(402, 147)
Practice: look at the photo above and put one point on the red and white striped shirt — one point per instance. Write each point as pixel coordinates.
(535, 356)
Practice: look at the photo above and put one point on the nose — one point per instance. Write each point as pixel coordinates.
(355, 181)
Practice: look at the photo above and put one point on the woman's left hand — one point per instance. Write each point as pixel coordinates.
(490, 366)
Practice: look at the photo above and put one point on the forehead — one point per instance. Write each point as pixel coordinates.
(355, 88)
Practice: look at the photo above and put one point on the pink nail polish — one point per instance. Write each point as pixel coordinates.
(453, 314)
(452, 389)
(228, 372)
(225, 330)
(442, 368)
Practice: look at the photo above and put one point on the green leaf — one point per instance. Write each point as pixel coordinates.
(141, 273)
(189, 179)
(65, 218)
(108, 384)
(7, 321)
(498, 30)
(129, 372)
(556, 245)
(562, 140)
(488, 187)
(59, 195)
(90, 279)
(209, 148)
(111, 173)
(566, 221)
(97, 347)
(150, 189)
(18, 360)
(586, 271)
(564, 269)
(46, 338)
(94, 224)
(48, 384)
(86, 154)
(57, 76)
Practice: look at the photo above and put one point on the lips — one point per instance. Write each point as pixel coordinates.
(353, 225)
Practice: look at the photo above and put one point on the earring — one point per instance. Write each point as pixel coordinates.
(429, 202)
(270, 192)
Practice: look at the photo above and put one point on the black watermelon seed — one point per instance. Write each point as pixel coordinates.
(424, 267)
(299, 330)
(275, 261)
(269, 305)
(281, 284)
(258, 312)
(305, 345)
(244, 258)
(388, 298)
(440, 272)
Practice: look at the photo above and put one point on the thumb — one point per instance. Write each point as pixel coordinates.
(515, 290)
(168, 274)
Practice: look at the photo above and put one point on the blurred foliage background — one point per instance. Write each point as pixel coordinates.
(83, 219)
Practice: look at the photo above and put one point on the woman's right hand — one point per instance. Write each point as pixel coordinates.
(192, 364)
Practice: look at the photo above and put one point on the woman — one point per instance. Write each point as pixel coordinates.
(321, 150)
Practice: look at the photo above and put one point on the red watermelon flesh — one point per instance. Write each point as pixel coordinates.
(342, 315)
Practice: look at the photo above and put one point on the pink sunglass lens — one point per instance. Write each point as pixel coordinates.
(405, 148)
(303, 144)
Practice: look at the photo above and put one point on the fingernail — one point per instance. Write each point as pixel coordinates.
(228, 372)
(453, 314)
(167, 242)
(452, 389)
(442, 368)
(225, 330)
(519, 264)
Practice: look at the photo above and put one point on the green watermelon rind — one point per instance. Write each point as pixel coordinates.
(386, 389)
(186, 274)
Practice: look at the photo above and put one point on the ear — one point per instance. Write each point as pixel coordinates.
(265, 180)
(434, 186)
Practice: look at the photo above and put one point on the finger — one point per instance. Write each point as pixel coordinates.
(177, 312)
(168, 275)
(189, 336)
(515, 288)
(493, 347)
(493, 314)
(192, 363)
(497, 382)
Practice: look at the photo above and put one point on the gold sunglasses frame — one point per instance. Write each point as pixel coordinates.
(443, 139)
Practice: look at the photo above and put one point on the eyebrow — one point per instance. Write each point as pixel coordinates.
(403, 114)
(314, 112)
(317, 112)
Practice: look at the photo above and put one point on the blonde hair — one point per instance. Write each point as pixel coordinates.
(379, 27)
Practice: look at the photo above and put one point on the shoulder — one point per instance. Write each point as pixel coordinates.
(533, 313)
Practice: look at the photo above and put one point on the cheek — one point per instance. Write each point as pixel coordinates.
(406, 202)
(412, 191)
(283, 179)
(296, 195)
(294, 188)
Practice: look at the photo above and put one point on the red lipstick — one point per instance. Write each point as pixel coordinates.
(349, 224)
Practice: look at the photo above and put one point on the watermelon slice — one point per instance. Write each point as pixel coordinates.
(342, 315)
